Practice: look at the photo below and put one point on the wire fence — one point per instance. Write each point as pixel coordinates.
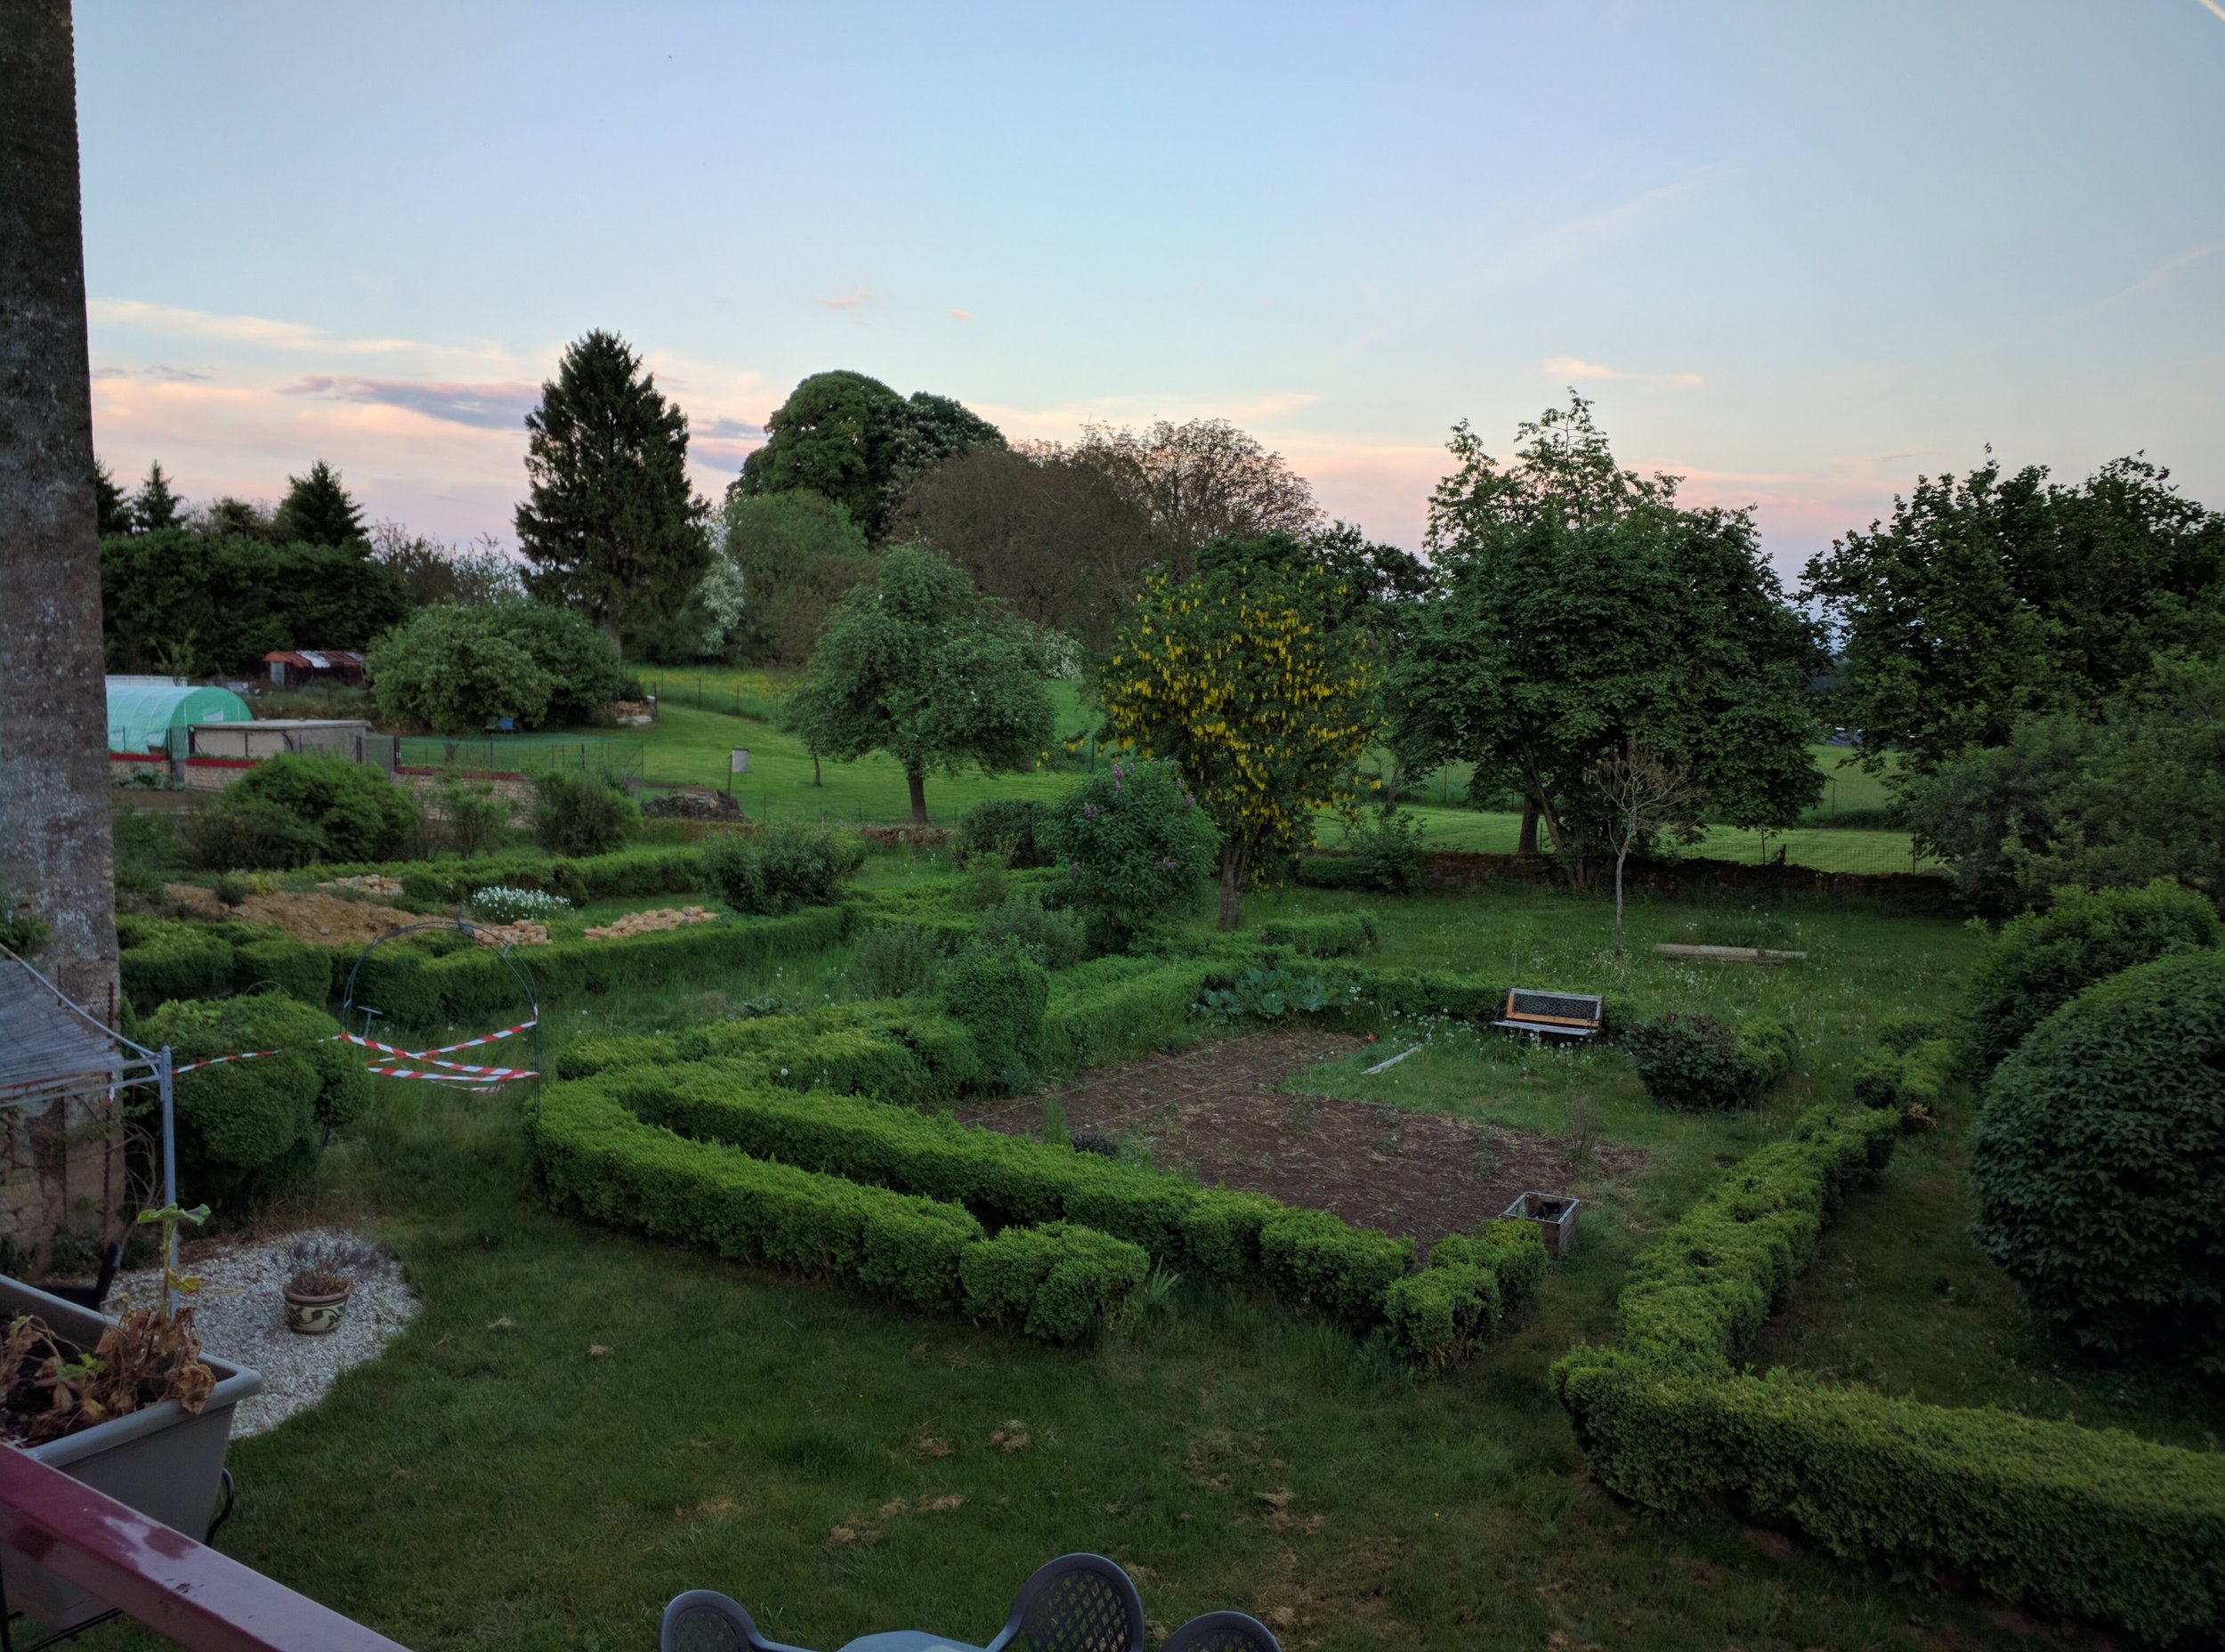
(522, 754)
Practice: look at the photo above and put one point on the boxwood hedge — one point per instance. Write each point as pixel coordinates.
(2087, 1522)
(598, 1159)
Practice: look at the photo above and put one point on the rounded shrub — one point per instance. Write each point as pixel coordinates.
(1010, 827)
(1000, 997)
(1700, 1061)
(304, 806)
(782, 867)
(1134, 842)
(2042, 960)
(583, 812)
(2099, 1161)
(247, 1129)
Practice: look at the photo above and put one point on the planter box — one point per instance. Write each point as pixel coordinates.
(1554, 1214)
(160, 1462)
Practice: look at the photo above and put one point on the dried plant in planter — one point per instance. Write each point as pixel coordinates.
(326, 1266)
(49, 1387)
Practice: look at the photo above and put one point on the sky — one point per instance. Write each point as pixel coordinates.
(1795, 254)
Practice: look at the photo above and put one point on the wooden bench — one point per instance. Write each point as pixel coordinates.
(1551, 1014)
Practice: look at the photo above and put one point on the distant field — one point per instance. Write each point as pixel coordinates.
(699, 724)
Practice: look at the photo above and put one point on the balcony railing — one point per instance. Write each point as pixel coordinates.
(177, 1587)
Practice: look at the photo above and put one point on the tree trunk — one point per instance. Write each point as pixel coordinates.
(917, 782)
(1235, 867)
(817, 781)
(1620, 855)
(55, 845)
(1526, 843)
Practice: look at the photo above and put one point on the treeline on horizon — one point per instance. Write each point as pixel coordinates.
(2040, 660)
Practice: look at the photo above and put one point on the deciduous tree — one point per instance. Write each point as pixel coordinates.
(1990, 598)
(919, 665)
(1057, 538)
(1239, 678)
(1201, 480)
(852, 438)
(612, 528)
(1648, 795)
(783, 561)
(1583, 607)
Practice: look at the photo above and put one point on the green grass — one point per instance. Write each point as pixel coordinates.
(1901, 1299)
(494, 1481)
(690, 741)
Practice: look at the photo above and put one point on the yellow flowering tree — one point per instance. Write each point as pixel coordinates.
(1240, 677)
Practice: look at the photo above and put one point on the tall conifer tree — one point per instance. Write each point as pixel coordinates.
(317, 510)
(611, 529)
(155, 506)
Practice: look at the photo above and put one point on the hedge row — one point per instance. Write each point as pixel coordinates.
(1331, 935)
(1473, 1283)
(1906, 1080)
(1111, 1008)
(618, 876)
(165, 960)
(891, 1048)
(2092, 1523)
(413, 985)
(1057, 1283)
(1306, 1256)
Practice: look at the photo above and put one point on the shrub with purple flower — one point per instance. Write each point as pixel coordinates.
(1134, 844)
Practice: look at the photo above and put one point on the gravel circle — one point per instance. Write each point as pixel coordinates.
(241, 1318)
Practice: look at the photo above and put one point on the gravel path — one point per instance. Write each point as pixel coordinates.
(242, 1319)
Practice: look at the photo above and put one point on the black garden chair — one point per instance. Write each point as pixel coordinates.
(703, 1620)
(1076, 1603)
(1221, 1631)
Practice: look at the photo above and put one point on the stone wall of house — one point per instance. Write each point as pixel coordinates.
(61, 1169)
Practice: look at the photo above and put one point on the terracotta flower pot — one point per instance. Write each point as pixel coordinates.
(314, 1315)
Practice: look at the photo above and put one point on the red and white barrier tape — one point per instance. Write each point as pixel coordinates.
(499, 1074)
(218, 1061)
(479, 1077)
(443, 1049)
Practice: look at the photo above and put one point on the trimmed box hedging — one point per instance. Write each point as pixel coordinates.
(1331, 935)
(1058, 1283)
(899, 1050)
(300, 969)
(1472, 1283)
(1113, 1007)
(2093, 1523)
(1239, 1238)
(414, 987)
(598, 1159)
(161, 960)
(1313, 1256)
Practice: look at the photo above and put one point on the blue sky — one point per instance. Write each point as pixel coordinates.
(1794, 253)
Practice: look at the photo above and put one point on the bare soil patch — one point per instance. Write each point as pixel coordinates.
(1222, 1110)
(306, 915)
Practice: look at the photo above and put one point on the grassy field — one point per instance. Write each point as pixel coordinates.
(704, 712)
(579, 1424)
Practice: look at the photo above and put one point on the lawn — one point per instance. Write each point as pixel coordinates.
(704, 712)
(580, 1424)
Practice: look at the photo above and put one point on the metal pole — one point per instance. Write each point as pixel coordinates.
(163, 1064)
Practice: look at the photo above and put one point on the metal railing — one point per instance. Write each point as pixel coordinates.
(185, 1590)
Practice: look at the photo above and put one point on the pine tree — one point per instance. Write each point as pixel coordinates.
(155, 506)
(612, 528)
(112, 510)
(317, 511)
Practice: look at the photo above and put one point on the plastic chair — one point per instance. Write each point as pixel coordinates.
(1221, 1631)
(703, 1620)
(1076, 1603)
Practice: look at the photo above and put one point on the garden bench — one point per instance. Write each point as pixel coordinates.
(1551, 1014)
